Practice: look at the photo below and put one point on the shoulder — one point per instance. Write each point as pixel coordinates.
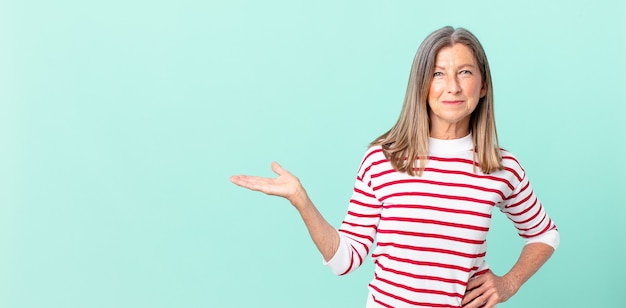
(509, 159)
(512, 164)
(373, 152)
(374, 156)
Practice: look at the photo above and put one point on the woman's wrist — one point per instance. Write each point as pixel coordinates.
(513, 282)
(300, 199)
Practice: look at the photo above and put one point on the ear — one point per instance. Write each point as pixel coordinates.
(483, 91)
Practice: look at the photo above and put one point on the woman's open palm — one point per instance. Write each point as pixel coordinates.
(286, 185)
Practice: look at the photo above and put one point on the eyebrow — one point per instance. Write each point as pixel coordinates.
(459, 67)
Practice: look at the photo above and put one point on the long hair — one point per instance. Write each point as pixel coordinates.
(406, 144)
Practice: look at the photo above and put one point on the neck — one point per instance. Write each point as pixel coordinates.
(452, 129)
(449, 132)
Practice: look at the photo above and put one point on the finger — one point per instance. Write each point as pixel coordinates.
(235, 179)
(477, 302)
(491, 302)
(278, 169)
(473, 304)
(471, 296)
(240, 180)
(476, 282)
(250, 182)
(472, 299)
(474, 290)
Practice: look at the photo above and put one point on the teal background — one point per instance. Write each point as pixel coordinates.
(121, 121)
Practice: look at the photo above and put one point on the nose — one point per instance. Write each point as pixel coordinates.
(453, 85)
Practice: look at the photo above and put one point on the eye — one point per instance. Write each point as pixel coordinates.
(465, 72)
(437, 74)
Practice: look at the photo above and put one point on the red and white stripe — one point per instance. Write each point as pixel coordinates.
(431, 230)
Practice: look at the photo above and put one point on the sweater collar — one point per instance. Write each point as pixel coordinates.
(448, 146)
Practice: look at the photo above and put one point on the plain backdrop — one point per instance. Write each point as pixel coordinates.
(121, 122)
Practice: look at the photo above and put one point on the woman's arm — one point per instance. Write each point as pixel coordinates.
(488, 289)
(288, 186)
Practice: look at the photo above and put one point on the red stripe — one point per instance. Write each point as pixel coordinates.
(359, 225)
(536, 225)
(367, 156)
(509, 169)
(356, 190)
(365, 237)
(442, 159)
(381, 303)
(444, 171)
(422, 181)
(375, 163)
(517, 164)
(422, 263)
(441, 196)
(473, 175)
(521, 201)
(531, 217)
(435, 250)
(366, 246)
(440, 209)
(357, 202)
(431, 235)
(524, 211)
(424, 277)
(375, 175)
(351, 213)
(351, 262)
(510, 158)
(423, 304)
(417, 290)
(436, 222)
(379, 150)
(550, 226)
(354, 251)
(480, 273)
(519, 192)
(454, 160)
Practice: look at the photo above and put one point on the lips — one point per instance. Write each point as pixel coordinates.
(452, 102)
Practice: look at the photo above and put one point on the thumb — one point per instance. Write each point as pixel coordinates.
(278, 169)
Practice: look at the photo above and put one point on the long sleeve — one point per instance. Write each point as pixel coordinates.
(527, 213)
(358, 229)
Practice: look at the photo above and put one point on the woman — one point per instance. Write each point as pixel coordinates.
(425, 191)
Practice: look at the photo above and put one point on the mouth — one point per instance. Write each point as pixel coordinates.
(452, 102)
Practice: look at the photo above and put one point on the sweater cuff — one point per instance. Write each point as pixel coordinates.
(341, 260)
(551, 238)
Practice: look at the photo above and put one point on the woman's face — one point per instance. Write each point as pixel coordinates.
(454, 91)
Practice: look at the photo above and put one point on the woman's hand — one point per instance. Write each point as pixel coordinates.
(286, 185)
(487, 290)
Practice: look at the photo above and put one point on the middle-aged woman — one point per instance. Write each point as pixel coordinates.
(425, 191)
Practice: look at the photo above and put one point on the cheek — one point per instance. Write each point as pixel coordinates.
(475, 89)
(434, 91)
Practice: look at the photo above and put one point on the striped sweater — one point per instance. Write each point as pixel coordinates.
(431, 230)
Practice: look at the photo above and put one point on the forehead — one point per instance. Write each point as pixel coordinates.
(457, 54)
